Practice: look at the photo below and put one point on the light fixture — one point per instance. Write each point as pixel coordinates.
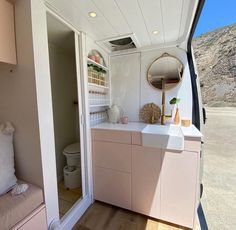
(155, 31)
(92, 14)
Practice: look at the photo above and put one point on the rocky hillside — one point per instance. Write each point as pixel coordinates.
(215, 54)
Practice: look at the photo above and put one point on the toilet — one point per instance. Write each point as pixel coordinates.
(72, 171)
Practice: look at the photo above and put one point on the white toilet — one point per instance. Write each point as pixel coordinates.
(72, 171)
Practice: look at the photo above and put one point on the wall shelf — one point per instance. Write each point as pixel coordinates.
(97, 64)
(101, 105)
(99, 86)
(98, 90)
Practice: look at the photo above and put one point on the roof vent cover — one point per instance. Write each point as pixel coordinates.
(120, 43)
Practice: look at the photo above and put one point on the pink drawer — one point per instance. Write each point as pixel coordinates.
(192, 144)
(36, 220)
(111, 136)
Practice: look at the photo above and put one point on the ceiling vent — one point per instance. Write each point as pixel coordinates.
(120, 43)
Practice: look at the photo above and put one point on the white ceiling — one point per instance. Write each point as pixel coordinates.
(172, 18)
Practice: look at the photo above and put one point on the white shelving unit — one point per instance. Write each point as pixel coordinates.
(99, 91)
(97, 64)
(99, 86)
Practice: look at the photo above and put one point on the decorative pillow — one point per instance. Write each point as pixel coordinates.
(7, 170)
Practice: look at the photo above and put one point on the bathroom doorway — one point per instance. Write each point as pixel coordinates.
(67, 109)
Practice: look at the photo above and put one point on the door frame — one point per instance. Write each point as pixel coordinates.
(39, 10)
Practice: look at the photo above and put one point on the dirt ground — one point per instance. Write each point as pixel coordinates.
(219, 178)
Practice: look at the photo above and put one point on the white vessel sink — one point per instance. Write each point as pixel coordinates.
(163, 136)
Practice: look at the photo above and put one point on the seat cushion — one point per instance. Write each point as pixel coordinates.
(15, 208)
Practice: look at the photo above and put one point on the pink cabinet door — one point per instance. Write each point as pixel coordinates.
(179, 175)
(7, 33)
(146, 168)
(112, 187)
(112, 156)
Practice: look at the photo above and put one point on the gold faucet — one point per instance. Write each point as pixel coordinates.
(163, 106)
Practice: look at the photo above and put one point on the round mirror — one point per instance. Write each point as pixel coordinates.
(165, 72)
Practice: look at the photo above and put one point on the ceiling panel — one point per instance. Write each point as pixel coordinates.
(70, 14)
(171, 11)
(99, 22)
(172, 18)
(152, 15)
(131, 11)
(112, 13)
(187, 17)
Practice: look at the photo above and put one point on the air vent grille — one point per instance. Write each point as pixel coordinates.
(120, 43)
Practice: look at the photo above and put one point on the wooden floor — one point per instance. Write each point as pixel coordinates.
(102, 216)
(67, 198)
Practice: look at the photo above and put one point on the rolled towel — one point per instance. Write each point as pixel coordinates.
(18, 189)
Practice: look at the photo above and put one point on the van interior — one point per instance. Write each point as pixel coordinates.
(100, 109)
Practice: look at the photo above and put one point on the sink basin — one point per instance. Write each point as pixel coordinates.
(165, 137)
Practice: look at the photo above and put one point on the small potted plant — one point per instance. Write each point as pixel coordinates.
(176, 101)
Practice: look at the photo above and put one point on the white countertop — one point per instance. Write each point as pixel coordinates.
(131, 126)
(190, 131)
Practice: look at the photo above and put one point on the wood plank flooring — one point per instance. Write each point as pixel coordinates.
(67, 198)
(102, 216)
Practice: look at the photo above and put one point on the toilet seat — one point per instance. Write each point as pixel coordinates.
(72, 149)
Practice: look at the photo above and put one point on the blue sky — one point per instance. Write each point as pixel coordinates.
(216, 14)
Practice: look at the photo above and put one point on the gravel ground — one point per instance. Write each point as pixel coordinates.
(219, 178)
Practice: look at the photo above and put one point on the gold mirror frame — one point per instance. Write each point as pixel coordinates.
(164, 55)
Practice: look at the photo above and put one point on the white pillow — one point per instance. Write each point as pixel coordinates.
(7, 170)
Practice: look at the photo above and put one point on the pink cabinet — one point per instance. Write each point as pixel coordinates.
(37, 220)
(113, 187)
(179, 181)
(155, 182)
(112, 168)
(7, 33)
(146, 181)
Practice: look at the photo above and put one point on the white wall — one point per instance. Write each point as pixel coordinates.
(64, 94)
(131, 90)
(18, 100)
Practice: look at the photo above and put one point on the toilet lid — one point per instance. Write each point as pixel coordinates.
(73, 148)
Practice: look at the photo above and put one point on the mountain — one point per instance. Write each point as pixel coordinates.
(215, 54)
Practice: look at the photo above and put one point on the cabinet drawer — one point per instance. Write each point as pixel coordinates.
(36, 220)
(136, 138)
(111, 136)
(191, 144)
(112, 187)
(112, 155)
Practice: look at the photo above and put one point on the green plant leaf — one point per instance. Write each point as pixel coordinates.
(174, 101)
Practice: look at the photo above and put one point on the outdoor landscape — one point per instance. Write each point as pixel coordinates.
(215, 54)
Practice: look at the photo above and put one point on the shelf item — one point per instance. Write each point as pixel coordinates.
(97, 64)
(98, 117)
